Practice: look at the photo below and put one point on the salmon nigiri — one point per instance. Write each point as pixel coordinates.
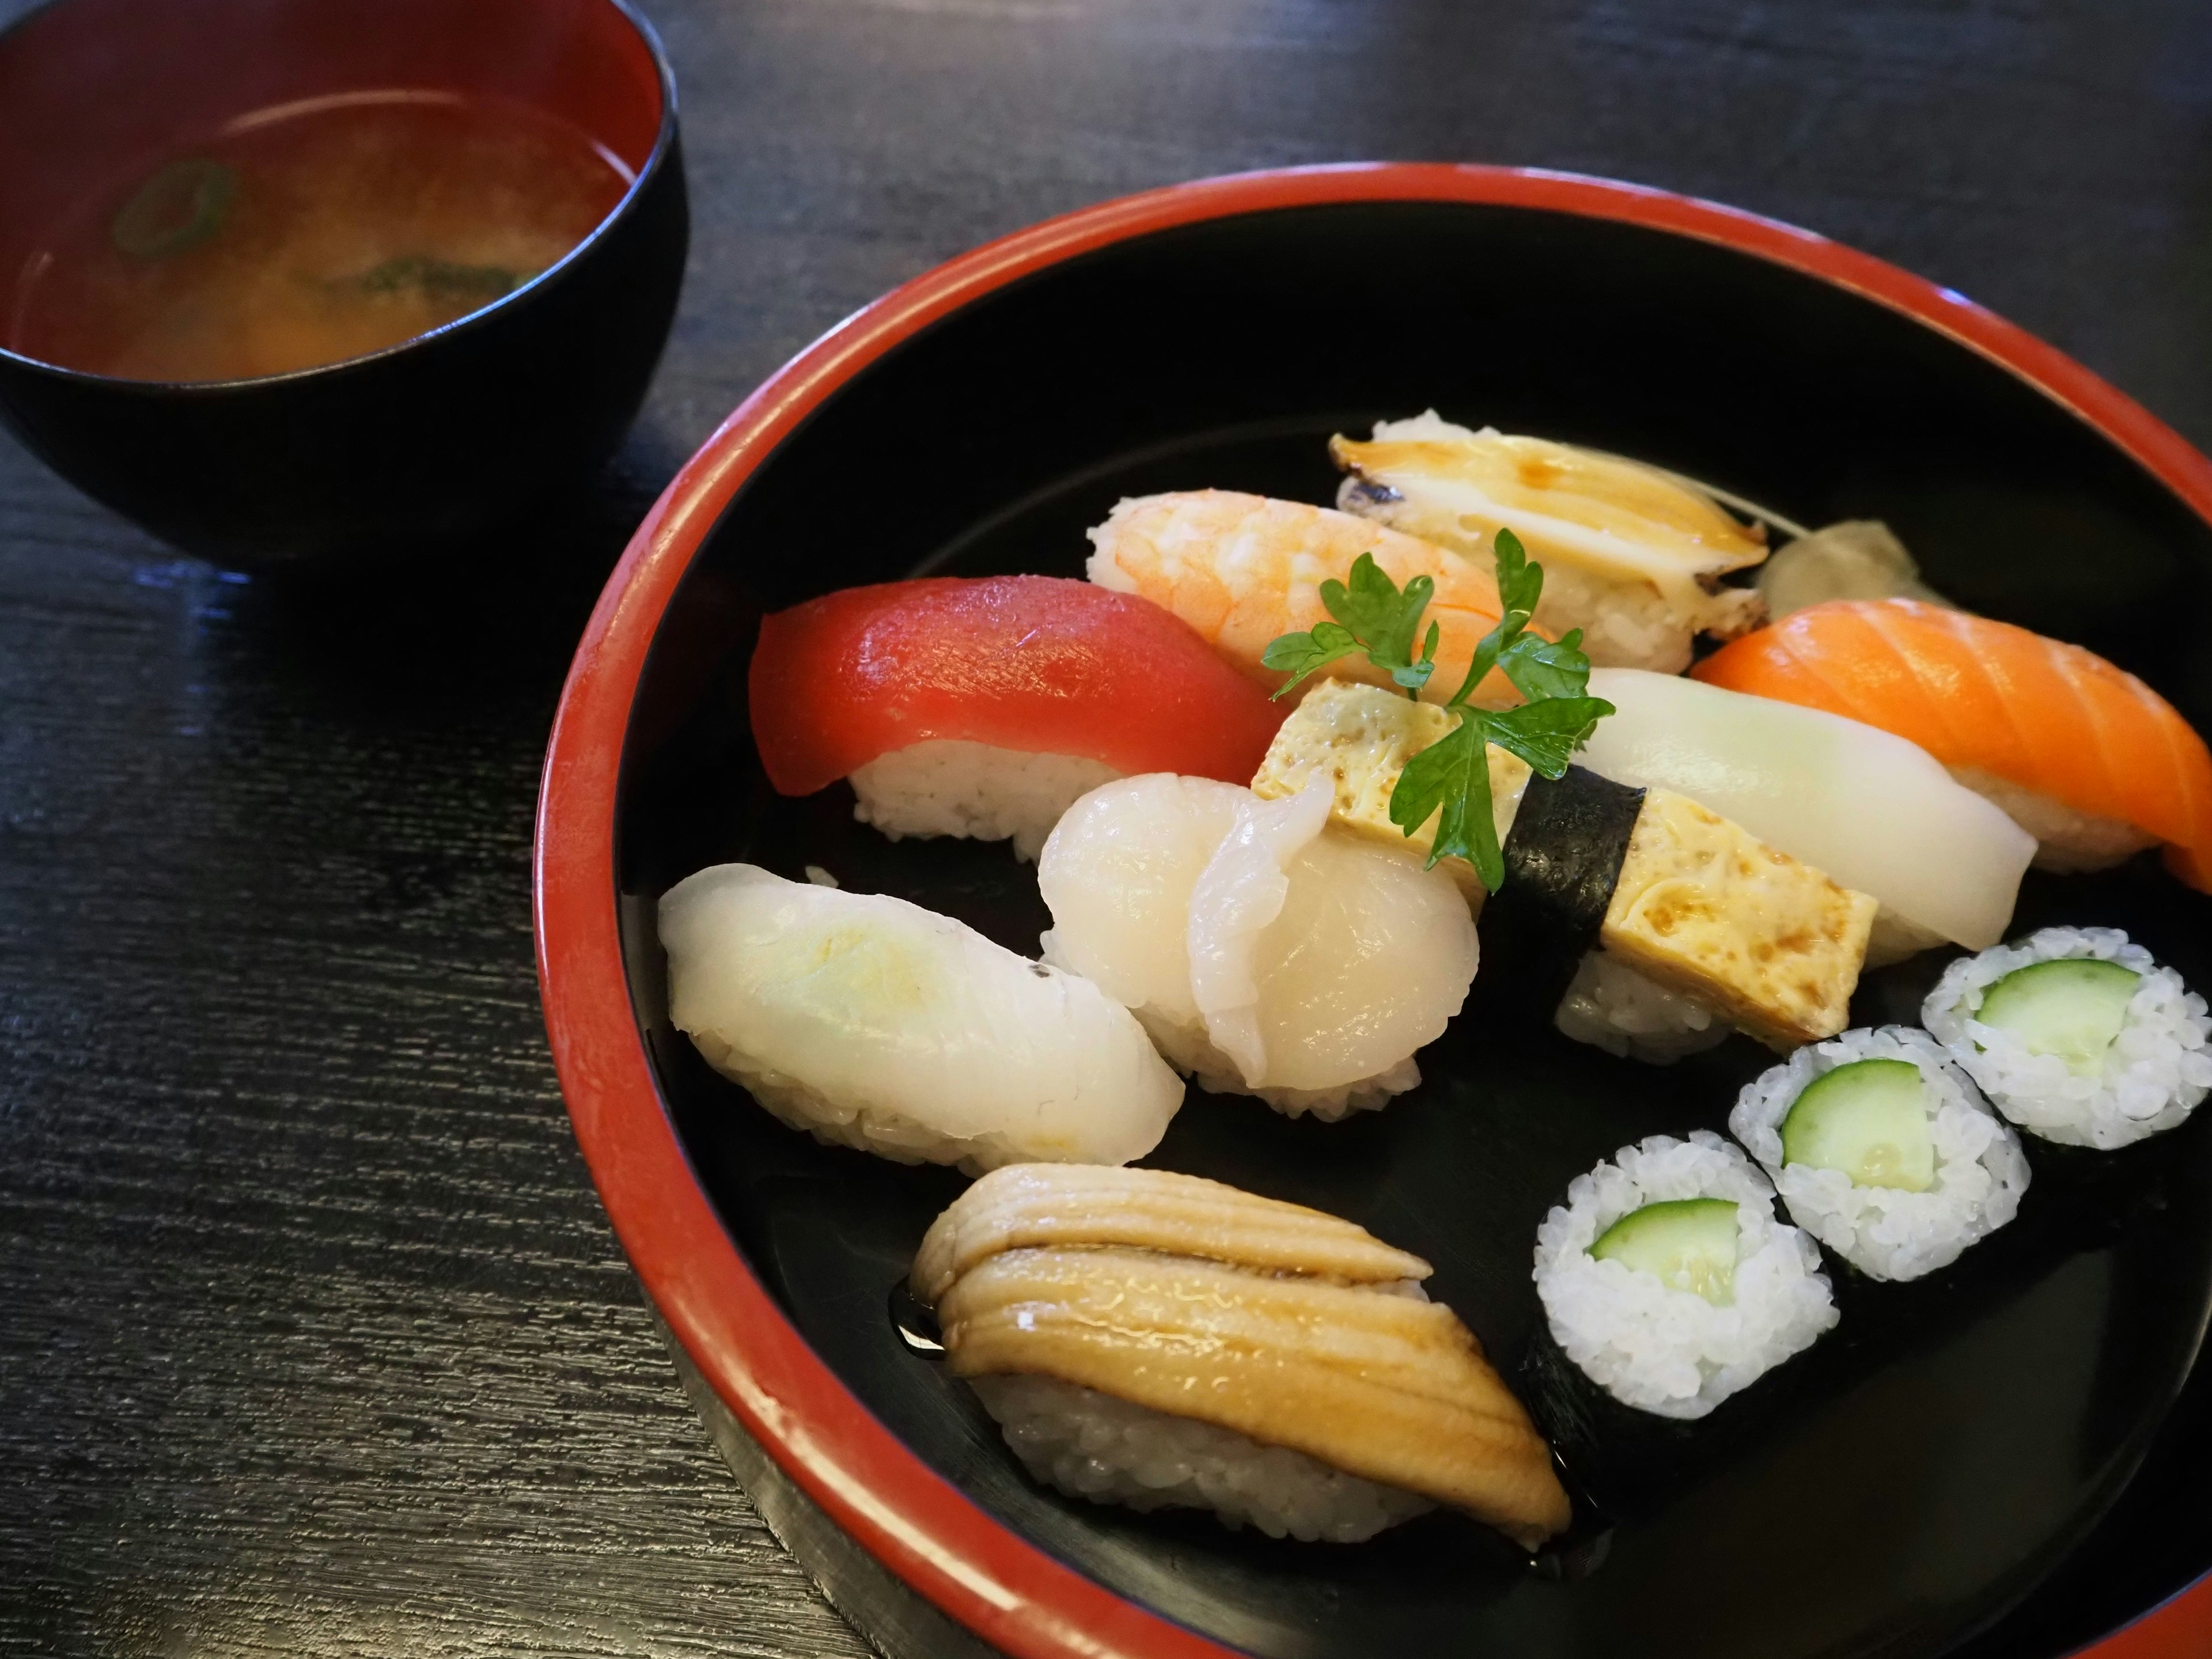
(1243, 569)
(2085, 757)
(984, 707)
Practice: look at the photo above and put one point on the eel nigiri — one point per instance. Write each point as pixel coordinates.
(1243, 569)
(1878, 814)
(871, 1023)
(1632, 555)
(2085, 757)
(983, 708)
(1156, 1340)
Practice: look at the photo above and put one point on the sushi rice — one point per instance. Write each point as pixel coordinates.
(1888, 1231)
(1092, 1445)
(1662, 1350)
(2066, 841)
(1611, 1006)
(2158, 1068)
(950, 786)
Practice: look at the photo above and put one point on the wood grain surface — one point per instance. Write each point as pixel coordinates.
(313, 1339)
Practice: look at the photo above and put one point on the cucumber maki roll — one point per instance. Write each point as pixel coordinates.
(1668, 1278)
(2076, 1035)
(1882, 1150)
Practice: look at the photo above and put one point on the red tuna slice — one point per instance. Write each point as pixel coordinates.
(1039, 664)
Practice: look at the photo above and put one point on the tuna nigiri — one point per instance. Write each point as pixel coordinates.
(1244, 569)
(2085, 757)
(983, 708)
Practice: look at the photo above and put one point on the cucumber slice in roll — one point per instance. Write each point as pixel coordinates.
(1689, 1244)
(1868, 1119)
(2073, 1008)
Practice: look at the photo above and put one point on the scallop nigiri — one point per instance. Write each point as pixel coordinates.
(1633, 555)
(2085, 757)
(1245, 569)
(1264, 949)
(983, 708)
(1875, 812)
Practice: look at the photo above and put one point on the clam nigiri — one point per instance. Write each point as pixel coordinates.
(1633, 555)
(2085, 757)
(983, 708)
(1245, 569)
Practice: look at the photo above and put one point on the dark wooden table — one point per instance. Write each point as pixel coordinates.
(312, 1336)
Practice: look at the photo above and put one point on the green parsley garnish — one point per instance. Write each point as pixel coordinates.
(1452, 775)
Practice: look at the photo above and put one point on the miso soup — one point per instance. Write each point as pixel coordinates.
(311, 233)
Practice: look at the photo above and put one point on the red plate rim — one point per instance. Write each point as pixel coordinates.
(907, 1516)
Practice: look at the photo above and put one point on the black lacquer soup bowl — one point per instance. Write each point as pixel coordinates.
(431, 448)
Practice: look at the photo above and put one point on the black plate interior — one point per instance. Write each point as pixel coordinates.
(1926, 1465)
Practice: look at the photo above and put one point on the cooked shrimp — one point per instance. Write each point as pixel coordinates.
(1243, 569)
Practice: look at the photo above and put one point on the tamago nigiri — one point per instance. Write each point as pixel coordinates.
(2085, 757)
(981, 707)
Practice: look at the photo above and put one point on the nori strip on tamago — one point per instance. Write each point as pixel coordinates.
(1562, 858)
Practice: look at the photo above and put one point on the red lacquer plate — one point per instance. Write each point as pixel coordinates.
(961, 1554)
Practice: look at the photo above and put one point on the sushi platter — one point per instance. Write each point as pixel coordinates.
(1288, 1000)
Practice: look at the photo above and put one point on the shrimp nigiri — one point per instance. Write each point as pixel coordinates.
(983, 708)
(1243, 569)
(2085, 757)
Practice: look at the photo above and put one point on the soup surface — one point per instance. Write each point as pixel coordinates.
(311, 233)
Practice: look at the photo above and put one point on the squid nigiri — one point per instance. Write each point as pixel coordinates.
(871, 1023)
(1633, 555)
(2082, 755)
(1245, 569)
(983, 708)
(1874, 812)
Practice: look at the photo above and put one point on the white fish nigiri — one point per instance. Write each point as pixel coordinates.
(1265, 951)
(1873, 811)
(873, 1022)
